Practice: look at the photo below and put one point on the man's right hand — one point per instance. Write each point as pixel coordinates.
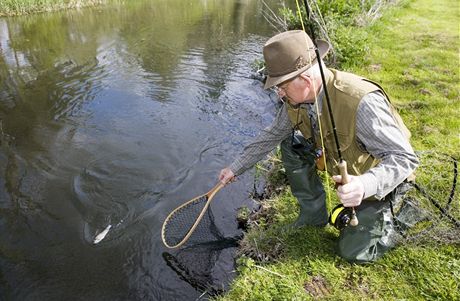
(226, 175)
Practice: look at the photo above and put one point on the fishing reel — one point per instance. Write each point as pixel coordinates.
(340, 217)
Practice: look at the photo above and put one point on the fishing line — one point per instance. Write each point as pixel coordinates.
(342, 165)
(328, 188)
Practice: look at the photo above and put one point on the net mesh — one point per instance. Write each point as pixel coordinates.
(182, 220)
(197, 265)
(430, 210)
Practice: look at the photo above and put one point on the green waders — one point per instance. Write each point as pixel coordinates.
(364, 243)
(376, 232)
(372, 237)
(306, 186)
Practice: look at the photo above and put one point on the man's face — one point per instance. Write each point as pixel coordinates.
(297, 90)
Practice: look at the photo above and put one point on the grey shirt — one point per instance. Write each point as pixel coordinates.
(377, 132)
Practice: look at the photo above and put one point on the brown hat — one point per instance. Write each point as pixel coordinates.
(290, 53)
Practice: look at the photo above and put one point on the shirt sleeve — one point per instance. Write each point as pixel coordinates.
(378, 132)
(265, 142)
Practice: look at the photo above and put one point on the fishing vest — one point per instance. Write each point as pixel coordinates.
(345, 91)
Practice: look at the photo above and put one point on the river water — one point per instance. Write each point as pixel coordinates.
(115, 116)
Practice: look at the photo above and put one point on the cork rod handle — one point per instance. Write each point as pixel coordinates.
(345, 180)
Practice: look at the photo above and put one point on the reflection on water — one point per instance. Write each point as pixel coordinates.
(115, 116)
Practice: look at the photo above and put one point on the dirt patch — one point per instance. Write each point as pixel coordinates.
(375, 67)
(317, 287)
(355, 281)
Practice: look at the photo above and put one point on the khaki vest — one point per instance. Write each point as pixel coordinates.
(345, 92)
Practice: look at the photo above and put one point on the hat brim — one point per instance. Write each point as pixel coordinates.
(323, 48)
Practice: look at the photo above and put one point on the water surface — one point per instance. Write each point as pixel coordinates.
(115, 116)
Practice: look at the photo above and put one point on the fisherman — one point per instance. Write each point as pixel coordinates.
(372, 137)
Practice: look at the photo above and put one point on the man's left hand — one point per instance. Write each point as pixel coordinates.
(352, 193)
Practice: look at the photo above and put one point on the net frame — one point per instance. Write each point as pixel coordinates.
(187, 206)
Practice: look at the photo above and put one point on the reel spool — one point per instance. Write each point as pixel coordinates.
(340, 217)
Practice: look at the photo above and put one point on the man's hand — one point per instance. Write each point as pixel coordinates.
(352, 193)
(226, 175)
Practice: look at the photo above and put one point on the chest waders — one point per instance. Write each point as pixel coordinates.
(299, 162)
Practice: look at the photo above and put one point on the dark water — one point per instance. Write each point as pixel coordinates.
(115, 116)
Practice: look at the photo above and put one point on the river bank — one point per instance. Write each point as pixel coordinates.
(25, 7)
(419, 69)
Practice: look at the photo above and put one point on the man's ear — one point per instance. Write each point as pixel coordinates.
(307, 78)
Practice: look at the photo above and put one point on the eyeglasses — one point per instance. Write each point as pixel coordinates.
(283, 86)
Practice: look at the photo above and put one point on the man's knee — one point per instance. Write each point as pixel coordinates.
(359, 254)
(373, 236)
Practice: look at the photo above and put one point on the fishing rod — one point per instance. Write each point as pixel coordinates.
(342, 163)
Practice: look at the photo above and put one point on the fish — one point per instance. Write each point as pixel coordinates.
(102, 235)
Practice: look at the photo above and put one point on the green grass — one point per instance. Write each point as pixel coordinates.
(417, 60)
(23, 7)
(414, 54)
